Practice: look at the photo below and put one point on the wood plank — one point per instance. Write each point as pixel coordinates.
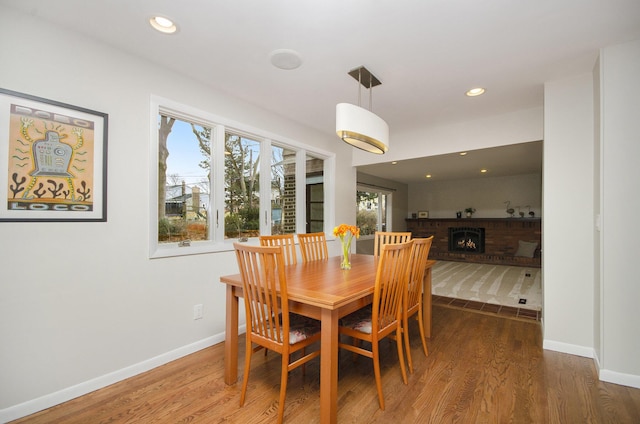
(480, 368)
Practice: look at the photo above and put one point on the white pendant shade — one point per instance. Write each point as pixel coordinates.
(361, 128)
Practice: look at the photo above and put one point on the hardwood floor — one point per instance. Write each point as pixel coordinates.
(481, 369)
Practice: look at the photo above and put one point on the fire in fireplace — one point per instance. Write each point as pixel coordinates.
(466, 239)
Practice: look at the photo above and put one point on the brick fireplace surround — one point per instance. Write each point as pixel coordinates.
(501, 239)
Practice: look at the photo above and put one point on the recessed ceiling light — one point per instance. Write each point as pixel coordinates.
(428, 176)
(483, 171)
(463, 153)
(475, 92)
(163, 24)
(394, 162)
(286, 59)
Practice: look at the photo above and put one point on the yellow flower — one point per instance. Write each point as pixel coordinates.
(342, 230)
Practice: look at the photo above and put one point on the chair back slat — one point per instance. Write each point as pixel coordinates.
(288, 246)
(387, 237)
(265, 291)
(391, 284)
(313, 246)
(419, 256)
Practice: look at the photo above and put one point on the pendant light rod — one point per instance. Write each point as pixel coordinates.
(367, 80)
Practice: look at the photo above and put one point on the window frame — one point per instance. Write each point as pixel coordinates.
(219, 126)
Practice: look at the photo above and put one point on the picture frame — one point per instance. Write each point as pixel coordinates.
(423, 214)
(53, 160)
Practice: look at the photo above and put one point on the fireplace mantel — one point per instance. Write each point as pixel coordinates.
(501, 238)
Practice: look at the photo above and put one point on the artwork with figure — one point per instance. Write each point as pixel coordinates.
(51, 167)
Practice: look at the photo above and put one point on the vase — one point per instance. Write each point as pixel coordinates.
(346, 254)
(346, 262)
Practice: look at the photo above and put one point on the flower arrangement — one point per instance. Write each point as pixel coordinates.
(345, 233)
(470, 211)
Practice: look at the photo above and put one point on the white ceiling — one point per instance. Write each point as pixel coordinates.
(427, 53)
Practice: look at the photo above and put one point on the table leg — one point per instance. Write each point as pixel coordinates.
(329, 367)
(426, 302)
(231, 338)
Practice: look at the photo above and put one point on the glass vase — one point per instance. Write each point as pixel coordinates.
(346, 255)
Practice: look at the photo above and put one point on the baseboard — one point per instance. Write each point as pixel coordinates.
(572, 349)
(620, 378)
(64, 395)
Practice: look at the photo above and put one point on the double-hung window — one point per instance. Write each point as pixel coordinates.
(214, 182)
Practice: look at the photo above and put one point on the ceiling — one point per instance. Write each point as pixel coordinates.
(514, 159)
(427, 53)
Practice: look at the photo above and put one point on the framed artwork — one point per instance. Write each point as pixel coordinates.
(423, 214)
(53, 160)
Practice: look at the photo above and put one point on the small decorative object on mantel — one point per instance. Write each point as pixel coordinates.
(346, 233)
(423, 214)
(469, 212)
(510, 210)
(459, 214)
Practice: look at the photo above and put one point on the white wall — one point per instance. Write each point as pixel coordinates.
(487, 195)
(81, 304)
(620, 202)
(433, 139)
(567, 238)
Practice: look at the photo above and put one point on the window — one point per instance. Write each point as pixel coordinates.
(283, 190)
(183, 180)
(314, 195)
(372, 213)
(242, 186)
(217, 182)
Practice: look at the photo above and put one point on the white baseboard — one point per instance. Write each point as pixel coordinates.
(52, 399)
(572, 349)
(620, 378)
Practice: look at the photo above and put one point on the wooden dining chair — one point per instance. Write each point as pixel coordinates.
(413, 294)
(387, 237)
(269, 323)
(313, 246)
(384, 316)
(288, 246)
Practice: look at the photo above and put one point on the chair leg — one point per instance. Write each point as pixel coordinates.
(376, 372)
(400, 355)
(247, 368)
(422, 336)
(284, 375)
(405, 330)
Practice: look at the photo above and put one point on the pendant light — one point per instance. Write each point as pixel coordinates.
(360, 127)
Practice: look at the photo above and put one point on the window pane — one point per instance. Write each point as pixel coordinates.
(283, 191)
(242, 187)
(315, 194)
(183, 186)
(371, 215)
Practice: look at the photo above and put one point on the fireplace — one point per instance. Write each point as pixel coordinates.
(466, 239)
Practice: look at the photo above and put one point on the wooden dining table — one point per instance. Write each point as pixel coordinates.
(320, 290)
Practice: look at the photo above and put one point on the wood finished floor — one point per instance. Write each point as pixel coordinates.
(481, 369)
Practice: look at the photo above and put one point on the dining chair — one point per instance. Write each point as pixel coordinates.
(269, 323)
(384, 316)
(288, 246)
(313, 246)
(387, 237)
(413, 294)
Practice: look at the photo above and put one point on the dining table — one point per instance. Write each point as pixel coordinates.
(323, 291)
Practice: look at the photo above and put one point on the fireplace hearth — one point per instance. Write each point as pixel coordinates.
(466, 239)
